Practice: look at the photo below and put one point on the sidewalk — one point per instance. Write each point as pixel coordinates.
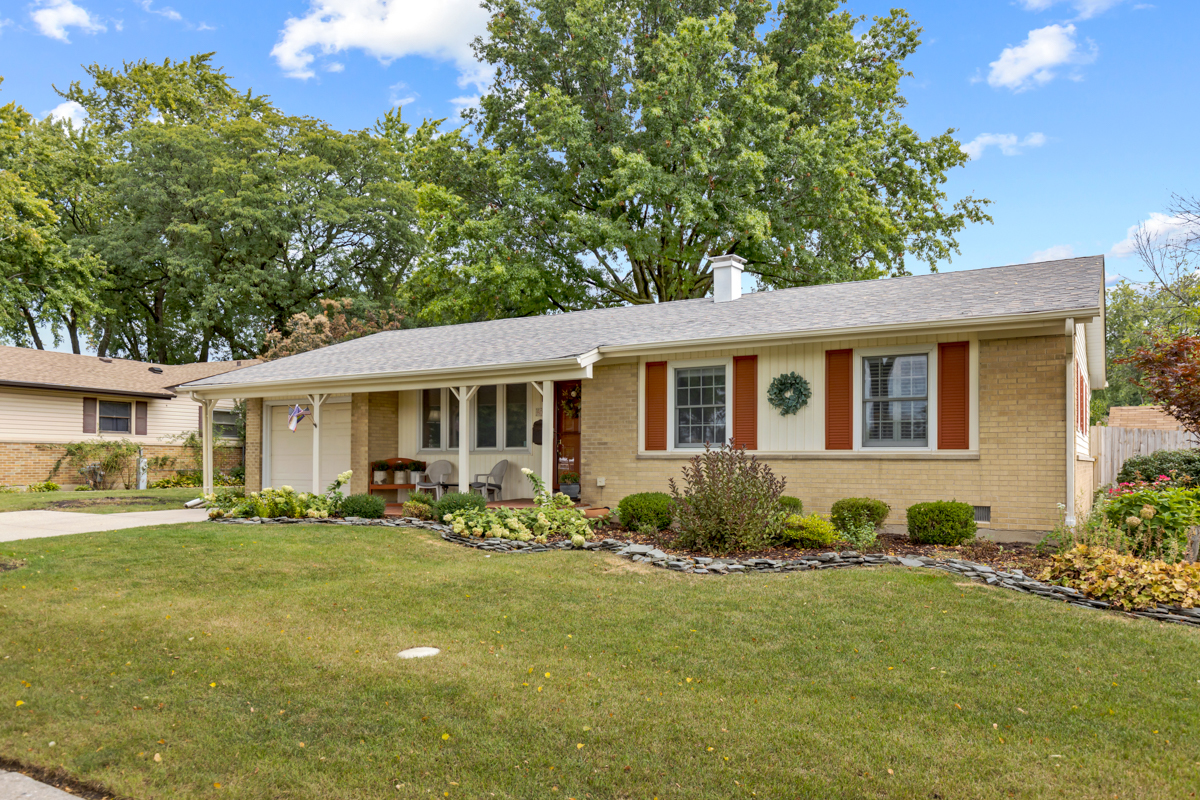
(15, 786)
(35, 524)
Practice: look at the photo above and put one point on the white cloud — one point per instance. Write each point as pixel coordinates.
(401, 95)
(1053, 253)
(1008, 143)
(53, 17)
(1034, 61)
(1161, 227)
(68, 110)
(1085, 8)
(4, 22)
(385, 29)
(165, 11)
(335, 66)
(461, 104)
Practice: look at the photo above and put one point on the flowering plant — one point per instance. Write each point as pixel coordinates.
(282, 502)
(553, 515)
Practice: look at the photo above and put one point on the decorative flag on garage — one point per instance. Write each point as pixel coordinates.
(295, 415)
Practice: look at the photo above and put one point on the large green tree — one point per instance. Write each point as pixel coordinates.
(643, 135)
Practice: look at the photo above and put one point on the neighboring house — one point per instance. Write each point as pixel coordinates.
(50, 399)
(970, 386)
(1144, 417)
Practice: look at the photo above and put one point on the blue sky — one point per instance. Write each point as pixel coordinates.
(1080, 114)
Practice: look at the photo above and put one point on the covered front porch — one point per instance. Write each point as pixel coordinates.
(529, 419)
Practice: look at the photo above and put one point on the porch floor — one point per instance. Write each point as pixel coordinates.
(393, 509)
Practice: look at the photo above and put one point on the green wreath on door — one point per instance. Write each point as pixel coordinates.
(789, 393)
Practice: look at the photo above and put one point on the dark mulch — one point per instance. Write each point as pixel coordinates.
(10, 563)
(1012, 555)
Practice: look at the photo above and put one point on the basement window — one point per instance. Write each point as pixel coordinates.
(983, 513)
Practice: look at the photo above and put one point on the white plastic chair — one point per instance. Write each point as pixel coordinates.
(436, 478)
(489, 483)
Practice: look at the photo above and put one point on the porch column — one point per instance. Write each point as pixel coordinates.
(315, 400)
(464, 395)
(549, 453)
(206, 448)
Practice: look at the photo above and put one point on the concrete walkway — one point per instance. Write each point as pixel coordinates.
(35, 524)
(15, 786)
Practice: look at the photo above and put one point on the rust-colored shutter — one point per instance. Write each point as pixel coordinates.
(839, 399)
(745, 401)
(954, 391)
(140, 409)
(656, 405)
(89, 415)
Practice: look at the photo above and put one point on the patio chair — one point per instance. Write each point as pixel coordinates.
(436, 478)
(489, 483)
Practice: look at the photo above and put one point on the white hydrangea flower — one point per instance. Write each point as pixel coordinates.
(526, 471)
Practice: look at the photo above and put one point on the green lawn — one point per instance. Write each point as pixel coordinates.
(99, 502)
(260, 662)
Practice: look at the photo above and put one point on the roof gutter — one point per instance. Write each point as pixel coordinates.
(86, 389)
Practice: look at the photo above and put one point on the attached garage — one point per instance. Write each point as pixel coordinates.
(290, 453)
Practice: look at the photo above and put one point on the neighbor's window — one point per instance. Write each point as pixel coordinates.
(699, 406)
(896, 401)
(114, 417)
(225, 424)
(516, 415)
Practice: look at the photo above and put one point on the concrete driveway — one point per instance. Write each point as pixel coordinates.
(35, 524)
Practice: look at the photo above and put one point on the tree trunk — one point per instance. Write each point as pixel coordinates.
(33, 331)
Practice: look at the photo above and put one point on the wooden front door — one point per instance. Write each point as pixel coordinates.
(566, 427)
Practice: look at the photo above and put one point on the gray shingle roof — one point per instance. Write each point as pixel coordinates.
(969, 295)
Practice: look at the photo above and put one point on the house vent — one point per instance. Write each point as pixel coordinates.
(106, 360)
(983, 513)
(156, 370)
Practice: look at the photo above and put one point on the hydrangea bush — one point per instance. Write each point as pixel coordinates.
(554, 514)
(282, 502)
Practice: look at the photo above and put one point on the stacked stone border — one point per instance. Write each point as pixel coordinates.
(1016, 580)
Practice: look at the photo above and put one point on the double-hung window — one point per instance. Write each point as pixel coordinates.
(225, 424)
(700, 406)
(114, 417)
(500, 421)
(896, 401)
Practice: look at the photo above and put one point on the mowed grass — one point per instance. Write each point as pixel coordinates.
(99, 502)
(259, 662)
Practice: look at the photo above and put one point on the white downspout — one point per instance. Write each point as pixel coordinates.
(1070, 429)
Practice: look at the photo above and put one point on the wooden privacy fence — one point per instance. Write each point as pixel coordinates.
(1112, 446)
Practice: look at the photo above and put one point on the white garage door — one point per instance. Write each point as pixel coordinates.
(291, 453)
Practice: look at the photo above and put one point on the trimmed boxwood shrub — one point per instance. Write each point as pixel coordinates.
(811, 531)
(943, 522)
(791, 505)
(452, 502)
(1185, 463)
(645, 508)
(369, 506)
(852, 509)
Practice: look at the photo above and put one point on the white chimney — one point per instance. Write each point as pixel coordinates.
(727, 276)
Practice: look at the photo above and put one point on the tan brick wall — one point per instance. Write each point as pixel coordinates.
(374, 434)
(254, 428)
(23, 463)
(1149, 417)
(1020, 471)
(359, 437)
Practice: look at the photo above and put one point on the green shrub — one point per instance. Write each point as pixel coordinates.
(1155, 522)
(422, 497)
(412, 508)
(9, 490)
(117, 460)
(791, 505)
(645, 508)
(811, 531)
(852, 509)
(729, 501)
(83, 488)
(44, 486)
(1125, 581)
(368, 506)
(523, 524)
(238, 474)
(943, 522)
(453, 502)
(1184, 463)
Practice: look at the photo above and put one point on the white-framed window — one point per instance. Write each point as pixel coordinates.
(115, 417)
(500, 418)
(698, 402)
(225, 423)
(895, 400)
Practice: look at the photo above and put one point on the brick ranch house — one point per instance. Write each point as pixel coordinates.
(50, 399)
(967, 385)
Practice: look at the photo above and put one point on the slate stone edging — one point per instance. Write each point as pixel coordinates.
(1016, 580)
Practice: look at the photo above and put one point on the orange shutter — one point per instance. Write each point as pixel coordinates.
(954, 391)
(839, 399)
(745, 401)
(656, 405)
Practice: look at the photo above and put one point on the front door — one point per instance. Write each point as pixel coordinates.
(567, 395)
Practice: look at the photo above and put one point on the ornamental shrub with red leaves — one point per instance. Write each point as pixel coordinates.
(1170, 371)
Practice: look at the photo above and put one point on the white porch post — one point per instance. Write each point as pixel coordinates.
(549, 454)
(316, 400)
(464, 395)
(206, 448)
